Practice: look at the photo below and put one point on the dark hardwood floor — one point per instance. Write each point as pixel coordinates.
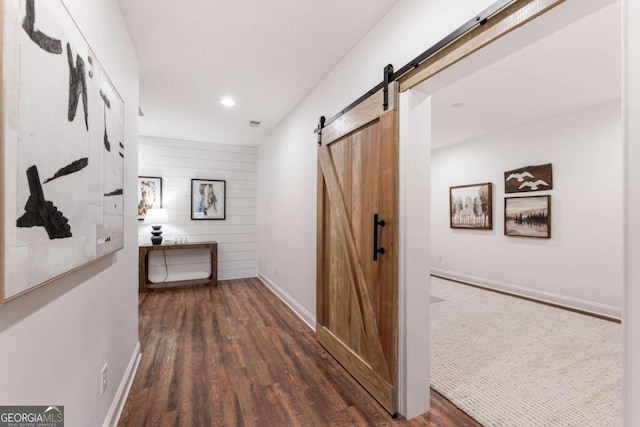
(235, 355)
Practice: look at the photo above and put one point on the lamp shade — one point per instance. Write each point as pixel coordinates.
(156, 216)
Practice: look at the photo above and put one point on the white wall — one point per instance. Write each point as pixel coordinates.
(581, 265)
(287, 159)
(631, 112)
(414, 244)
(177, 162)
(55, 340)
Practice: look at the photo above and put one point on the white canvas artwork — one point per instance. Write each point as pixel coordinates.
(63, 148)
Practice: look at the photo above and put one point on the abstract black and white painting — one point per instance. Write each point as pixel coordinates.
(63, 148)
(208, 199)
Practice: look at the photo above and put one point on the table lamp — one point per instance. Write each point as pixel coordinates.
(156, 217)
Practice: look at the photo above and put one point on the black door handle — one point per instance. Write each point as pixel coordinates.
(376, 249)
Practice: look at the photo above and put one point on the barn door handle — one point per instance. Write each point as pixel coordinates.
(376, 224)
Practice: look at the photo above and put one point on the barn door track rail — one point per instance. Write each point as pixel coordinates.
(391, 76)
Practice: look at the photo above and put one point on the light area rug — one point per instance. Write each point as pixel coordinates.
(511, 362)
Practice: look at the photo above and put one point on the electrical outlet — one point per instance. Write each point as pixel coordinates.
(440, 258)
(276, 271)
(103, 379)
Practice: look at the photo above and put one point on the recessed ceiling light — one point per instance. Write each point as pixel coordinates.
(227, 102)
(458, 105)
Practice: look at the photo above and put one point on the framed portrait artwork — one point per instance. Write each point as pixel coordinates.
(471, 206)
(149, 194)
(527, 216)
(208, 199)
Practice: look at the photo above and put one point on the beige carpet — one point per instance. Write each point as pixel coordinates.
(510, 362)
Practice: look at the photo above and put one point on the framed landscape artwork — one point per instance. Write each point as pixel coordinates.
(208, 199)
(528, 216)
(62, 144)
(149, 194)
(471, 206)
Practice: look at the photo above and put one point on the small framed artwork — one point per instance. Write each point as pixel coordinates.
(527, 216)
(149, 194)
(529, 178)
(470, 206)
(208, 199)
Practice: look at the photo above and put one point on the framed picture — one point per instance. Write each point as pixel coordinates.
(529, 178)
(149, 194)
(208, 199)
(470, 206)
(62, 149)
(527, 216)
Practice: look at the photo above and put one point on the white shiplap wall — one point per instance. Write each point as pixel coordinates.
(177, 162)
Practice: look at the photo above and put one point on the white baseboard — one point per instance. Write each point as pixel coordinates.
(294, 305)
(244, 274)
(113, 416)
(561, 300)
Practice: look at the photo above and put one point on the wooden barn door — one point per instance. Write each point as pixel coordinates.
(357, 309)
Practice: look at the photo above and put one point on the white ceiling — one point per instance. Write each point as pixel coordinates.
(576, 67)
(267, 55)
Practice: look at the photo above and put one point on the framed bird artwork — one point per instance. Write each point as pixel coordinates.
(528, 178)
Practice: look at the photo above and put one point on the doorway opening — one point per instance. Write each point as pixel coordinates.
(547, 93)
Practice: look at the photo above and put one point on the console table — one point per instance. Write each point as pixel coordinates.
(143, 251)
